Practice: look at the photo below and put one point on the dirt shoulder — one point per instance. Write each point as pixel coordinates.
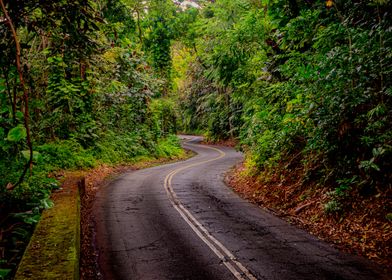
(231, 142)
(362, 230)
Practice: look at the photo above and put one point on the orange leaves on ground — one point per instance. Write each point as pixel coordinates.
(362, 229)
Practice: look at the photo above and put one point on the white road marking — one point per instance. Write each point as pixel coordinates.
(228, 259)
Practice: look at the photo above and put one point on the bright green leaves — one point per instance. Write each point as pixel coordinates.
(4, 273)
(56, 60)
(299, 32)
(160, 31)
(159, 45)
(90, 86)
(68, 101)
(17, 134)
(36, 156)
(4, 108)
(298, 79)
(46, 203)
(2, 85)
(369, 165)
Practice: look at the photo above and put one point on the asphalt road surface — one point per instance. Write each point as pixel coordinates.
(180, 221)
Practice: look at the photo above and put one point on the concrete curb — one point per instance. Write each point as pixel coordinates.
(54, 249)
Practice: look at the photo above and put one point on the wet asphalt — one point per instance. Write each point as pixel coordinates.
(141, 235)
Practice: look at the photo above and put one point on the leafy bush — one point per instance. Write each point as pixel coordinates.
(163, 117)
(117, 148)
(66, 154)
(306, 81)
(168, 147)
(81, 92)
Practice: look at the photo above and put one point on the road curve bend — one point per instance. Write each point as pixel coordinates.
(180, 221)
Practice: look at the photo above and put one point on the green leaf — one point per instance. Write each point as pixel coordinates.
(46, 203)
(46, 51)
(28, 217)
(36, 155)
(32, 220)
(19, 115)
(16, 134)
(368, 165)
(4, 272)
(2, 85)
(4, 110)
(378, 151)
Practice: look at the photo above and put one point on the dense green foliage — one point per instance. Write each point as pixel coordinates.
(304, 83)
(84, 90)
(90, 88)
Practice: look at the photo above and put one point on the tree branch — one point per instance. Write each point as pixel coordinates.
(25, 93)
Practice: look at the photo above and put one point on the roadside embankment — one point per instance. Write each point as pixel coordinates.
(361, 229)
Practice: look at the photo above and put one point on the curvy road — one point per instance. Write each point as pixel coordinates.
(180, 221)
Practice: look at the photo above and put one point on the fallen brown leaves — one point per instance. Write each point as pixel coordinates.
(362, 229)
(231, 142)
(94, 179)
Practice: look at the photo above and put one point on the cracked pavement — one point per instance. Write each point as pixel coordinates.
(140, 235)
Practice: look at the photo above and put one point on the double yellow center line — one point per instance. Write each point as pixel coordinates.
(227, 258)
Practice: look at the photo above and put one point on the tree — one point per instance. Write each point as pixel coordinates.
(304, 78)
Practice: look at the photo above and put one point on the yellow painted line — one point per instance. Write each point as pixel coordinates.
(224, 254)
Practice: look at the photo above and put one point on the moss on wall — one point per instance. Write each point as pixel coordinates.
(53, 252)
